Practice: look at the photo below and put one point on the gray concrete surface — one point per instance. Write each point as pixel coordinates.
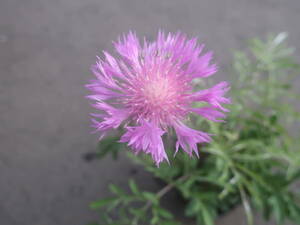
(46, 48)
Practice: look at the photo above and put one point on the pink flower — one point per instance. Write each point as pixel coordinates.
(148, 88)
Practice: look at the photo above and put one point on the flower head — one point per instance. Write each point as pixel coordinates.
(148, 88)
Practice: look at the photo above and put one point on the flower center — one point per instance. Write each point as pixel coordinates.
(158, 98)
(158, 92)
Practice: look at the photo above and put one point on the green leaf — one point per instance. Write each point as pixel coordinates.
(102, 202)
(169, 222)
(278, 208)
(109, 145)
(154, 220)
(164, 213)
(138, 212)
(207, 216)
(150, 197)
(133, 187)
(192, 208)
(116, 190)
(294, 211)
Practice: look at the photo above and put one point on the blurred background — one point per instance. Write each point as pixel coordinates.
(46, 49)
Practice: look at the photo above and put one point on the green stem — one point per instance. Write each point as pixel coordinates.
(246, 205)
(159, 195)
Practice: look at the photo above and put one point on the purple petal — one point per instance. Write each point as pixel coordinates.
(209, 113)
(146, 138)
(129, 48)
(188, 138)
(214, 95)
(113, 120)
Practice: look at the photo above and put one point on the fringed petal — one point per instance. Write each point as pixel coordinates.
(111, 119)
(188, 138)
(146, 138)
(209, 113)
(214, 95)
